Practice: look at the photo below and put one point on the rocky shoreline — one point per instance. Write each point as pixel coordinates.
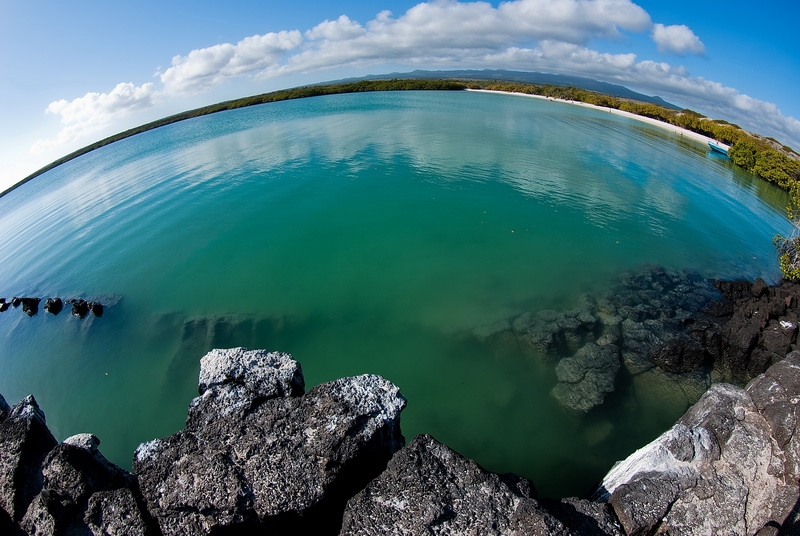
(260, 454)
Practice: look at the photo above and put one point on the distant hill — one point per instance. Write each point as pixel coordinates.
(530, 78)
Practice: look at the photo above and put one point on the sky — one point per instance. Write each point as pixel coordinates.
(72, 73)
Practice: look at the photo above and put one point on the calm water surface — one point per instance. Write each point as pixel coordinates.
(364, 233)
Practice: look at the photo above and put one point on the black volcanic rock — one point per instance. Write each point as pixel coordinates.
(25, 441)
(53, 305)
(96, 308)
(84, 493)
(30, 306)
(257, 454)
(730, 465)
(428, 488)
(80, 308)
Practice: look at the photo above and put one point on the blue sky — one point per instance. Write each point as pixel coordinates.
(74, 72)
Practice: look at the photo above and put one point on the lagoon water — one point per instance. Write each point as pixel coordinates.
(364, 233)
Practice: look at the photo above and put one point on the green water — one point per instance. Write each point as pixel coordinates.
(365, 233)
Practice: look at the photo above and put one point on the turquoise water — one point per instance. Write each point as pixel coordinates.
(364, 233)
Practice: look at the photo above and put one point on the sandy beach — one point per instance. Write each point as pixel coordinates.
(682, 132)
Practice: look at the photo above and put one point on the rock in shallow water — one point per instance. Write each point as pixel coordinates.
(259, 454)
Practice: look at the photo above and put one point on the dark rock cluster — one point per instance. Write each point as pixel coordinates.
(30, 306)
(259, 454)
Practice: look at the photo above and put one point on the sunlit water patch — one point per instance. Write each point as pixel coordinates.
(365, 233)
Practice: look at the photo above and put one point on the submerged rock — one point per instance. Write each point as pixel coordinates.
(258, 454)
(586, 378)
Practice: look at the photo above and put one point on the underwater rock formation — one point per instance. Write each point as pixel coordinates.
(665, 325)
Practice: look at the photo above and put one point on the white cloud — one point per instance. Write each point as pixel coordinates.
(336, 30)
(678, 39)
(202, 68)
(533, 35)
(94, 111)
(450, 28)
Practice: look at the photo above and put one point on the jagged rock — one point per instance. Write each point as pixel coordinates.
(759, 288)
(25, 441)
(232, 381)
(30, 306)
(261, 373)
(586, 378)
(258, 454)
(761, 329)
(116, 512)
(775, 394)
(728, 466)
(584, 518)
(680, 354)
(53, 305)
(428, 488)
(84, 493)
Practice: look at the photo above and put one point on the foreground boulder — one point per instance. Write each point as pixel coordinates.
(258, 454)
(730, 465)
(25, 441)
(430, 489)
(84, 493)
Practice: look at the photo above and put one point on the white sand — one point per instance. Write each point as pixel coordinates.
(682, 132)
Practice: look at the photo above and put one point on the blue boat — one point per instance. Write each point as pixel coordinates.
(719, 147)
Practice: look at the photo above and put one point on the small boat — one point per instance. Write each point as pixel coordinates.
(719, 147)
